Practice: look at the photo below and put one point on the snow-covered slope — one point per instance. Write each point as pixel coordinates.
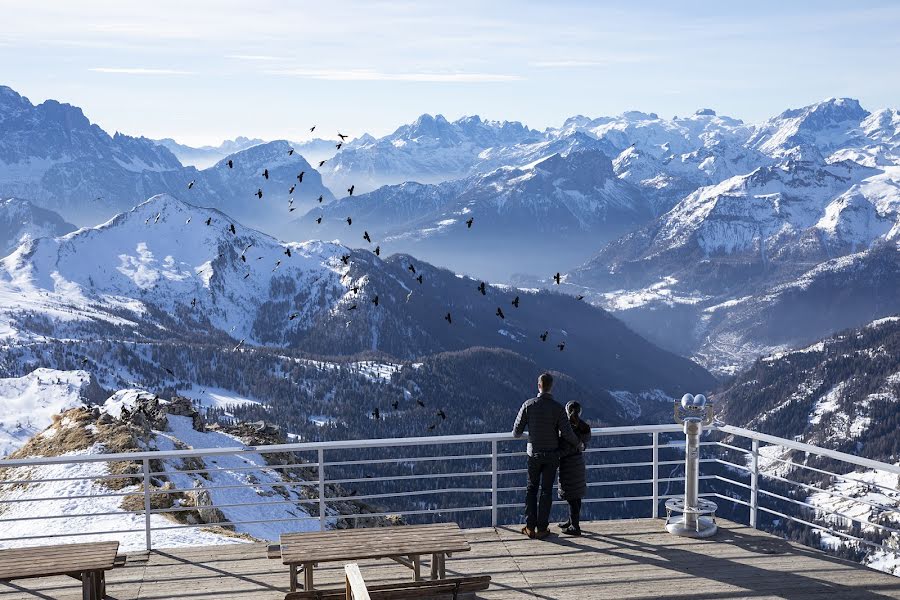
(21, 221)
(29, 403)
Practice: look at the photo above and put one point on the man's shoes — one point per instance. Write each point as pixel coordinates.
(565, 525)
(572, 530)
(542, 533)
(528, 531)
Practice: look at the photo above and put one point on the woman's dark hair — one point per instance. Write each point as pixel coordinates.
(573, 408)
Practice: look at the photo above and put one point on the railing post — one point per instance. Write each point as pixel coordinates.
(655, 474)
(754, 482)
(493, 483)
(322, 489)
(148, 541)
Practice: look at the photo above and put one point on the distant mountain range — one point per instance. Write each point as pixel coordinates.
(205, 156)
(21, 221)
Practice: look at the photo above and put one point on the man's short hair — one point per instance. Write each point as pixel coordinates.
(546, 382)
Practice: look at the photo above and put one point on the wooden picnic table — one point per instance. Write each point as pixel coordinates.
(404, 544)
(86, 562)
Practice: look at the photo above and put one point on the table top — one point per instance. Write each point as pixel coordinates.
(61, 559)
(371, 542)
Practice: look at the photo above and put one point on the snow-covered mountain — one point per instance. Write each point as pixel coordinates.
(21, 221)
(29, 403)
(206, 156)
(159, 272)
(532, 219)
(53, 156)
(429, 150)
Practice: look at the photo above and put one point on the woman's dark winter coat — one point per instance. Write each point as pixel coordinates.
(572, 470)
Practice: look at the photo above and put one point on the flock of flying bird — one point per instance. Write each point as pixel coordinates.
(482, 289)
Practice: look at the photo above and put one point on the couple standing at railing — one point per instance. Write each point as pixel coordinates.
(557, 438)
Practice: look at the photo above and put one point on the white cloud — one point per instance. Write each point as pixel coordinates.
(139, 71)
(373, 75)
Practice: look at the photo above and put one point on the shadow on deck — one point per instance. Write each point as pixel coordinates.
(633, 559)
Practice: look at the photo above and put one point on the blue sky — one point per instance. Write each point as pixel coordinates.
(202, 71)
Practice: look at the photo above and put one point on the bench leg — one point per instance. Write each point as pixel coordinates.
(442, 572)
(93, 585)
(307, 576)
(293, 577)
(434, 566)
(417, 567)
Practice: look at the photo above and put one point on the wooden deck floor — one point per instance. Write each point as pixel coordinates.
(632, 560)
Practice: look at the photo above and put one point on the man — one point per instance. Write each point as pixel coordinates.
(547, 422)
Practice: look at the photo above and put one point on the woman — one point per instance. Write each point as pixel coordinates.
(573, 471)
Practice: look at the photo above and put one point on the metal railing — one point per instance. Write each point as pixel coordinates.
(479, 478)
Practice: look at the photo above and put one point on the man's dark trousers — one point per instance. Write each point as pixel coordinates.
(541, 475)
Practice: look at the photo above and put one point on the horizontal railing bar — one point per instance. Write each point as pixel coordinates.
(820, 528)
(831, 474)
(410, 493)
(417, 512)
(822, 509)
(231, 487)
(736, 448)
(620, 465)
(438, 440)
(830, 493)
(68, 534)
(379, 461)
(407, 477)
(733, 465)
(733, 482)
(841, 456)
(230, 469)
(736, 500)
(234, 523)
(74, 516)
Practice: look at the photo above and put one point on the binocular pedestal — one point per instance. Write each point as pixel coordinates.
(692, 516)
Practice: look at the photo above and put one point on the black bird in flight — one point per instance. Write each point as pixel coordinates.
(469, 222)
(515, 302)
(561, 346)
(377, 250)
(338, 145)
(375, 300)
(158, 215)
(290, 151)
(191, 184)
(247, 275)
(354, 289)
(266, 173)
(231, 229)
(292, 209)
(395, 404)
(376, 413)
(431, 427)
(319, 220)
(300, 176)
(259, 193)
(287, 251)
(349, 221)
(482, 289)
(320, 199)
(170, 371)
(243, 258)
(293, 316)
(579, 297)
(420, 402)
(557, 278)
(420, 279)
(208, 221)
(291, 191)
(448, 319)
(345, 259)
(193, 303)
(321, 162)
(352, 307)
(342, 136)
(230, 164)
(412, 268)
(188, 220)
(313, 128)
(351, 188)
(500, 313)
(544, 336)
(277, 264)
(239, 344)
(366, 237)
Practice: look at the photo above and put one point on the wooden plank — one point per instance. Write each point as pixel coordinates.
(356, 586)
(61, 559)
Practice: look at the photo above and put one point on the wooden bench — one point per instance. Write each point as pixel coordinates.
(87, 563)
(405, 544)
(356, 588)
